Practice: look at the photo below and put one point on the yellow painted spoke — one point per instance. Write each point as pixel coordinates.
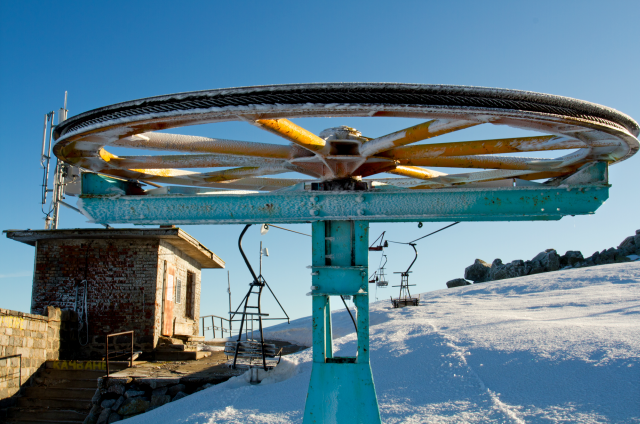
(413, 134)
(293, 133)
(415, 172)
(483, 147)
(193, 144)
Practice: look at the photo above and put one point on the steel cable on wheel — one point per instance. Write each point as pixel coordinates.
(598, 133)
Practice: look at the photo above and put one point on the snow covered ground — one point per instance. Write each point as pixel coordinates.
(553, 347)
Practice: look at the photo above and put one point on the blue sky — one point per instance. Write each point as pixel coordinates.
(107, 52)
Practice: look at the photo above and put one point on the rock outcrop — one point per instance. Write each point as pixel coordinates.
(548, 261)
(478, 272)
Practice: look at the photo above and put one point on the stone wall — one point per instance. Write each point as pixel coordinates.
(121, 293)
(37, 337)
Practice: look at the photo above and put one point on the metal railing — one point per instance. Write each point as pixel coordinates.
(213, 327)
(19, 355)
(229, 324)
(117, 352)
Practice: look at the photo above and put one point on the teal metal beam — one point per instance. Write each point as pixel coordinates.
(298, 206)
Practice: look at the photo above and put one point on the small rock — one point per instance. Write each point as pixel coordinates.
(134, 405)
(628, 245)
(96, 397)
(90, 419)
(108, 403)
(571, 258)
(159, 391)
(133, 393)
(114, 417)
(206, 386)
(496, 267)
(457, 282)
(536, 268)
(157, 401)
(551, 260)
(179, 396)
(95, 410)
(607, 256)
(104, 416)
(117, 389)
(118, 403)
(478, 272)
(173, 390)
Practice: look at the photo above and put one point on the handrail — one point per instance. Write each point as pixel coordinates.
(19, 355)
(213, 325)
(107, 348)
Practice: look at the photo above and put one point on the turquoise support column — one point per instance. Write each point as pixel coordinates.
(341, 389)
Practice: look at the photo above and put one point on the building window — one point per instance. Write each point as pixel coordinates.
(191, 292)
(179, 290)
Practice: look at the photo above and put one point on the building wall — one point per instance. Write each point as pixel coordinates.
(38, 338)
(183, 264)
(121, 277)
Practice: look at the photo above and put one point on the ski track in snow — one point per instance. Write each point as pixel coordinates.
(551, 348)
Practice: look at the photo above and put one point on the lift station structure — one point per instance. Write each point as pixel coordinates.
(341, 192)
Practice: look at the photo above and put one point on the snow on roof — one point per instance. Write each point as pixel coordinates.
(553, 347)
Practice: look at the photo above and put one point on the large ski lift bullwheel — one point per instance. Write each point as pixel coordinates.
(343, 154)
(338, 159)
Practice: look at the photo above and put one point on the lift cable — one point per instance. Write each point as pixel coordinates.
(437, 231)
(266, 227)
(349, 310)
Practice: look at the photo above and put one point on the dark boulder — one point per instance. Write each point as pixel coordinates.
(458, 282)
(607, 256)
(536, 268)
(478, 272)
(571, 258)
(628, 246)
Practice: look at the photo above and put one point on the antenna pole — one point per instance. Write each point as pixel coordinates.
(60, 172)
(229, 291)
(260, 257)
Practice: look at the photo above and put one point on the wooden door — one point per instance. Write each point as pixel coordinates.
(168, 301)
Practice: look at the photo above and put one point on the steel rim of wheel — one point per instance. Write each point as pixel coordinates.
(598, 133)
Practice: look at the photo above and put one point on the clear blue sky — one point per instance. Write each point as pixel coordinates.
(108, 52)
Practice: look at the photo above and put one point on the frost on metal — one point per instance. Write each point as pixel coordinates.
(598, 133)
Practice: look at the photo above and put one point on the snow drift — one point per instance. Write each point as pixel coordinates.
(554, 347)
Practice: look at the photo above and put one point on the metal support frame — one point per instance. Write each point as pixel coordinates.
(341, 388)
(105, 202)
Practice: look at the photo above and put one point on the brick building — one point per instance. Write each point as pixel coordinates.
(146, 280)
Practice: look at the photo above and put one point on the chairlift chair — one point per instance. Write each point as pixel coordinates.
(404, 298)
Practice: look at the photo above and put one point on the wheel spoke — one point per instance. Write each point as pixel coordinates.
(453, 179)
(192, 161)
(483, 147)
(487, 162)
(194, 144)
(413, 134)
(416, 172)
(292, 132)
(239, 173)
